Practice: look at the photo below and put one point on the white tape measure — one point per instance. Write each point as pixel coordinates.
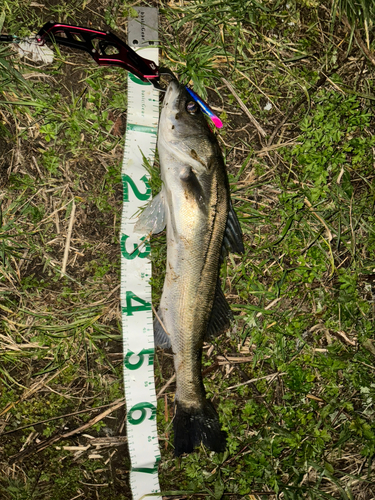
(138, 334)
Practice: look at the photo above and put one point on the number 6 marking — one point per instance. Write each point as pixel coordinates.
(142, 407)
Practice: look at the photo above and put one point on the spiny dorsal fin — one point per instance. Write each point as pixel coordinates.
(232, 241)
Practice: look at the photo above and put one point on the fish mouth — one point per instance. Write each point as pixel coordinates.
(173, 96)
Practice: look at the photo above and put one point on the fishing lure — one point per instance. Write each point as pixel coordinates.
(205, 108)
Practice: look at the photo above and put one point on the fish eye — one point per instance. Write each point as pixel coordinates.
(192, 107)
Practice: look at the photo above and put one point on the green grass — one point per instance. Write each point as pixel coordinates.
(299, 408)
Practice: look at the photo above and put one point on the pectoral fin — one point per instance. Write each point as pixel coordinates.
(153, 218)
(193, 186)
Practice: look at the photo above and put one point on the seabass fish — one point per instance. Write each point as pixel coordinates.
(202, 227)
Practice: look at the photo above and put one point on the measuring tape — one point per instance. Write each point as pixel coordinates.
(138, 333)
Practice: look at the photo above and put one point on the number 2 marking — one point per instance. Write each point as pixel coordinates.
(128, 181)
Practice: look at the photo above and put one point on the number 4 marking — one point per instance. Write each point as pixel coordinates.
(129, 309)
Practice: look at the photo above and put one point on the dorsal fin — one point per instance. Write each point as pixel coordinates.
(232, 241)
(221, 315)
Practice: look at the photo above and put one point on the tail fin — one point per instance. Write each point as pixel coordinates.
(195, 425)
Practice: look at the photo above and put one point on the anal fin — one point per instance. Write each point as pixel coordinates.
(161, 337)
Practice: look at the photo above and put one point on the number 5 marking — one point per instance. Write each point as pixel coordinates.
(141, 358)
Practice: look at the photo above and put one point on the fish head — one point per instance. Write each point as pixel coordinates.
(184, 133)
